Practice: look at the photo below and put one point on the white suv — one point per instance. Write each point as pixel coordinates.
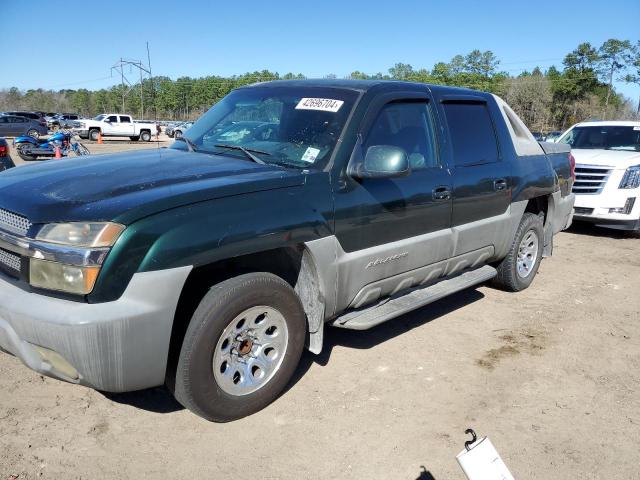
(607, 155)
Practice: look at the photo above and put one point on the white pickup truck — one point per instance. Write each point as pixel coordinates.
(607, 185)
(114, 125)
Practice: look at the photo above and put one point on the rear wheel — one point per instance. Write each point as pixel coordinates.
(518, 269)
(177, 134)
(241, 348)
(24, 151)
(145, 136)
(33, 133)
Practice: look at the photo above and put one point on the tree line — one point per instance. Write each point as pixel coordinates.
(581, 88)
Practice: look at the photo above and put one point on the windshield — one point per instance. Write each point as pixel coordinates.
(604, 138)
(291, 126)
(99, 117)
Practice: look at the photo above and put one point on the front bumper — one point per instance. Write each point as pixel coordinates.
(596, 209)
(614, 223)
(81, 132)
(114, 346)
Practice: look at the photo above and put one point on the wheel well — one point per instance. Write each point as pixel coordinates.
(283, 262)
(537, 206)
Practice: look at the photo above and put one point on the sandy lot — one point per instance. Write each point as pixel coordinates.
(550, 374)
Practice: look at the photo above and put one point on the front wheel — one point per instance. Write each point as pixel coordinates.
(241, 348)
(33, 133)
(81, 150)
(94, 134)
(519, 267)
(177, 134)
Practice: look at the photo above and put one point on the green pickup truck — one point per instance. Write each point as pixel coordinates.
(208, 266)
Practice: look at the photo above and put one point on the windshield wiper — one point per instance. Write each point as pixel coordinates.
(247, 152)
(190, 145)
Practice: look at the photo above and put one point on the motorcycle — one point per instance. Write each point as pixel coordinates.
(31, 149)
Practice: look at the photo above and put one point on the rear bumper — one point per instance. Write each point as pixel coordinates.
(115, 346)
(563, 211)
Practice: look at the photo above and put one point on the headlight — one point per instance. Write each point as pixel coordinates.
(63, 278)
(85, 237)
(631, 178)
(81, 234)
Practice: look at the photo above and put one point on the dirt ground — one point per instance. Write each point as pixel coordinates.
(550, 374)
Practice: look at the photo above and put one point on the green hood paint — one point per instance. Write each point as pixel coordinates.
(127, 186)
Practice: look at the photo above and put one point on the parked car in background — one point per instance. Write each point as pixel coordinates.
(538, 136)
(15, 126)
(5, 158)
(38, 116)
(553, 136)
(114, 125)
(179, 130)
(607, 183)
(64, 120)
(180, 126)
(209, 267)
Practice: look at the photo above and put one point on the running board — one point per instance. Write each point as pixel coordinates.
(368, 317)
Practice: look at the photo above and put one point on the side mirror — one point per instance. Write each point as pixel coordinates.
(382, 161)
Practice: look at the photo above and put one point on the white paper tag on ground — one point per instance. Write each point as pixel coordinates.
(322, 104)
(310, 155)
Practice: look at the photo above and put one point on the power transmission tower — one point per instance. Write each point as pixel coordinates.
(119, 68)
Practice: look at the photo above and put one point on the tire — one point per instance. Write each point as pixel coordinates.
(33, 133)
(177, 134)
(82, 150)
(23, 152)
(145, 136)
(213, 334)
(518, 269)
(94, 134)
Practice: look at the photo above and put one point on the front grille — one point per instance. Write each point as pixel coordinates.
(14, 223)
(10, 261)
(590, 179)
(582, 211)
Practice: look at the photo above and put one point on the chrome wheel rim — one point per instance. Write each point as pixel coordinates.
(250, 350)
(527, 253)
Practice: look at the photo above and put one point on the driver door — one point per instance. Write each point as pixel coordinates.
(110, 125)
(387, 227)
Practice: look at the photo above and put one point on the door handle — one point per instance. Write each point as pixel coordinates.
(441, 193)
(500, 184)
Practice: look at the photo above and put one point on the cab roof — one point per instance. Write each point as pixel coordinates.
(358, 85)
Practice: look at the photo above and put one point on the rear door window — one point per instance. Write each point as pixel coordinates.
(472, 135)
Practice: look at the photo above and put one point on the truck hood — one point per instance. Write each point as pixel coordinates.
(127, 186)
(619, 159)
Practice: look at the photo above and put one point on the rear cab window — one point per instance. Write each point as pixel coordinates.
(473, 137)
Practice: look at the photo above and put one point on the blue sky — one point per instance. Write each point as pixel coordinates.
(198, 38)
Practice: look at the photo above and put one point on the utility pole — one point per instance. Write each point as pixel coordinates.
(119, 67)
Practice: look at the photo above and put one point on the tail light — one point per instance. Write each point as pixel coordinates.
(572, 162)
(3, 150)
